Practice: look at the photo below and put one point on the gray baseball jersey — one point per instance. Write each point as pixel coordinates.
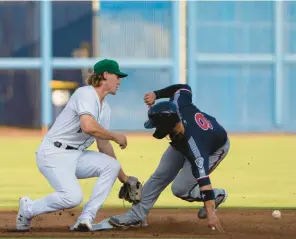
(66, 129)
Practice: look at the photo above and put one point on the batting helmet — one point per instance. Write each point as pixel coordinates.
(163, 116)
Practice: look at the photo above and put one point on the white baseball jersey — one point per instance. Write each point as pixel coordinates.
(66, 128)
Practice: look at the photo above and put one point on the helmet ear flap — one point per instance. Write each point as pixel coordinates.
(156, 135)
(161, 132)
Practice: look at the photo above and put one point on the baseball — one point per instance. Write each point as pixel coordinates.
(276, 214)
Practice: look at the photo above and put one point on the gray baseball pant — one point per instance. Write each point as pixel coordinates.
(184, 184)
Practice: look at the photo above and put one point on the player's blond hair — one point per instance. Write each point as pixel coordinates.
(95, 79)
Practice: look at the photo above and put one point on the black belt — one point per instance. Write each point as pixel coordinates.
(59, 144)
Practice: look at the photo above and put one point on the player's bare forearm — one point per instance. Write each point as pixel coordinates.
(93, 128)
(208, 196)
(90, 126)
(123, 178)
(104, 146)
(210, 204)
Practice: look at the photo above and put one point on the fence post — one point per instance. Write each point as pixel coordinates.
(183, 41)
(279, 65)
(191, 53)
(175, 40)
(46, 65)
(96, 28)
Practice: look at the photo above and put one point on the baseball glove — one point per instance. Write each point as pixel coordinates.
(131, 191)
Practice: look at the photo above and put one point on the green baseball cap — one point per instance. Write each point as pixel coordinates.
(110, 66)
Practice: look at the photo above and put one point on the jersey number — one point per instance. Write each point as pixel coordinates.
(203, 122)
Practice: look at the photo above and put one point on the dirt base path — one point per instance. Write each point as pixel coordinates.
(163, 223)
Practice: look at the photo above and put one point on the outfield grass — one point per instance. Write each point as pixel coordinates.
(258, 172)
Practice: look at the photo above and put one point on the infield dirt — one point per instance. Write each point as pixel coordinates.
(163, 223)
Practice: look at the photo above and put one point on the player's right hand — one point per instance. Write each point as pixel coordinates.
(121, 140)
(149, 99)
(214, 222)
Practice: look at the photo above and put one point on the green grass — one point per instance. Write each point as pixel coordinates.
(258, 172)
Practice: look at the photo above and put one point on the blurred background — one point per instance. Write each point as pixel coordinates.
(239, 58)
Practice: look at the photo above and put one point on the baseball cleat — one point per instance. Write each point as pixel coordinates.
(124, 221)
(82, 225)
(23, 223)
(221, 196)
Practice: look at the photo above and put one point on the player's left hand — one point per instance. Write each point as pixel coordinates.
(131, 191)
(149, 99)
(214, 222)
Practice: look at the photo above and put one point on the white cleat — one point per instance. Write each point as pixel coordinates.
(23, 223)
(82, 225)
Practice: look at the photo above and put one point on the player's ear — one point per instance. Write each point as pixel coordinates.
(105, 75)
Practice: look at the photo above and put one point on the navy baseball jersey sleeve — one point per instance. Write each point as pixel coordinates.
(182, 97)
(199, 160)
(198, 157)
(180, 93)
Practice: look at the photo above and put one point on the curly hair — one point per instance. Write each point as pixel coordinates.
(95, 79)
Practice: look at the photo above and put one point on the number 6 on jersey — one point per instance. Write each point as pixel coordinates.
(203, 122)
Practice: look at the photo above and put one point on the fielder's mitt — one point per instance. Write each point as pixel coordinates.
(131, 191)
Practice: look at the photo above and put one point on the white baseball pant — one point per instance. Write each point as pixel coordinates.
(62, 168)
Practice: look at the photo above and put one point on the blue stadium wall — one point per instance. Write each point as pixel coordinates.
(241, 96)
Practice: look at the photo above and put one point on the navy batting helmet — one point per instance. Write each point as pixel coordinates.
(163, 116)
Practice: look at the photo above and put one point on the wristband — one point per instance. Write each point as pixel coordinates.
(207, 195)
(204, 181)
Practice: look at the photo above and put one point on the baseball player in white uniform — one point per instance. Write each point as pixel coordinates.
(62, 158)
